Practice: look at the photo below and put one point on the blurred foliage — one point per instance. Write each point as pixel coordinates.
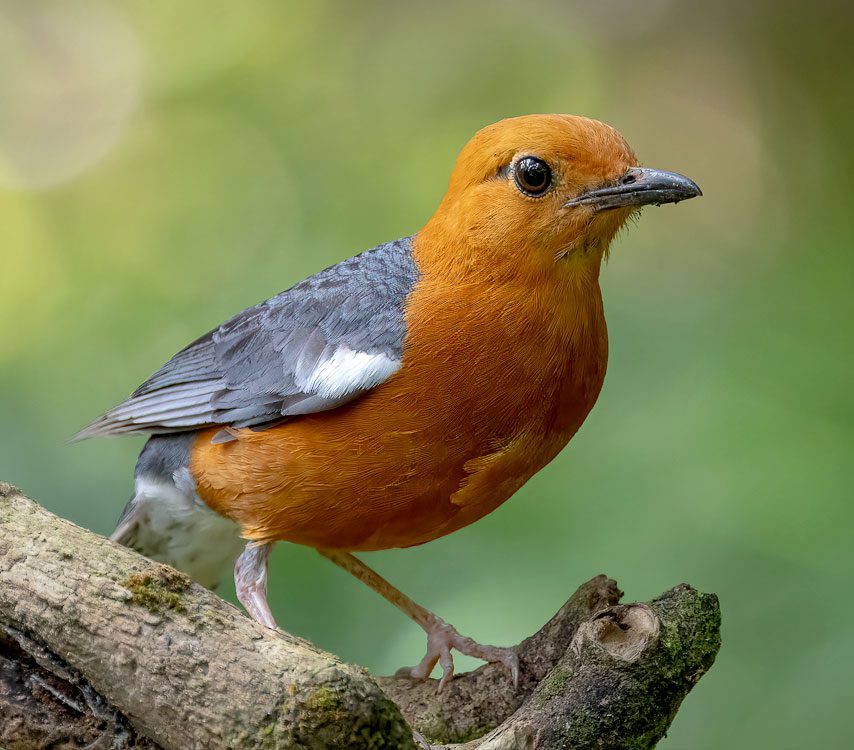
(165, 165)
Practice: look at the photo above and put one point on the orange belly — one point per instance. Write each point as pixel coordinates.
(487, 395)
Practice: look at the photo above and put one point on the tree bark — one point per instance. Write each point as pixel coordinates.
(100, 647)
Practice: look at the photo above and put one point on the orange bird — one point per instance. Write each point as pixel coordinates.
(403, 393)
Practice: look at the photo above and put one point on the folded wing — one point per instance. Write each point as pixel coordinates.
(312, 348)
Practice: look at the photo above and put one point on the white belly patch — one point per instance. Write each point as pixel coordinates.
(168, 522)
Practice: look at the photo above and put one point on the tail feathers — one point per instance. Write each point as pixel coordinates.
(126, 527)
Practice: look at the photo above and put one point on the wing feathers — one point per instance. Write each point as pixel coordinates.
(312, 348)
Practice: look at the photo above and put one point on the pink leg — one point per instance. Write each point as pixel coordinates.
(441, 637)
(250, 580)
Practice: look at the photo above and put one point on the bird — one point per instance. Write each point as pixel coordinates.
(403, 393)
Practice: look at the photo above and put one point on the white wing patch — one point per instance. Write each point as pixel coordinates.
(348, 371)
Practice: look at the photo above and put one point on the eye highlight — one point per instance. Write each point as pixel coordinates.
(533, 176)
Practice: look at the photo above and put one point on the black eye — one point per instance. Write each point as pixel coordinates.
(533, 176)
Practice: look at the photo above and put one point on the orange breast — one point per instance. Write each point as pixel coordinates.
(496, 378)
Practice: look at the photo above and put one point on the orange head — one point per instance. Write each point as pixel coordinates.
(536, 189)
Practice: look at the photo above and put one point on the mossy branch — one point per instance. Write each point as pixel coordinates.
(101, 647)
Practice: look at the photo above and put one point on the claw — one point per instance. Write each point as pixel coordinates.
(441, 638)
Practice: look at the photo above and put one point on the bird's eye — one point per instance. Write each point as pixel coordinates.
(533, 176)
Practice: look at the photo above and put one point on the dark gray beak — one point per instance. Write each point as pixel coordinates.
(640, 186)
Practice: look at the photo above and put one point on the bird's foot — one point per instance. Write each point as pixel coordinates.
(441, 638)
(250, 583)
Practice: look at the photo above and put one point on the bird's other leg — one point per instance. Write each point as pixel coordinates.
(250, 580)
(441, 637)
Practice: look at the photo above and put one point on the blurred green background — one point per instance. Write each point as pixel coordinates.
(163, 165)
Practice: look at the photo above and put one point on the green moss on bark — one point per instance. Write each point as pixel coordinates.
(437, 731)
(329, 716)
(553, 684)
(158, 589)
(641, 696)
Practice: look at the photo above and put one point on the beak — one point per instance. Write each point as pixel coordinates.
(640, 186)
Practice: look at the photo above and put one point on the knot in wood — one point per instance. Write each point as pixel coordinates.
(624, 631)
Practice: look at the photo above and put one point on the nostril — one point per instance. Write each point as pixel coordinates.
(628, 179)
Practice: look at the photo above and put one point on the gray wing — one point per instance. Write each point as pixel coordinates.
(312, 348)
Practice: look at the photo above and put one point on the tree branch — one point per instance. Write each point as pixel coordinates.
(101, 647)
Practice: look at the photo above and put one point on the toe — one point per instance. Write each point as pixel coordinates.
(441, 639)
(447, 663)
(422, 670)
(260, 610)
(511, 661)
(492, 654)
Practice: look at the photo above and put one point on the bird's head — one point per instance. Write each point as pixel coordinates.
(542, 188)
